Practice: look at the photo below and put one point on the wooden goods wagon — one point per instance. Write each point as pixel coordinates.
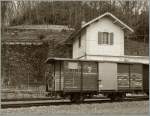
(79, 79)
(130, 77)
(133, 77)
(73, 78)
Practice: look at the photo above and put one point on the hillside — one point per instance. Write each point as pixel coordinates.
(24, 50)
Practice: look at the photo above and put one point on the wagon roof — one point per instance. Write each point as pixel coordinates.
(66, 59)
(122, 59)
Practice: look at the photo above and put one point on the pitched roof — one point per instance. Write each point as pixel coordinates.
(116, 20)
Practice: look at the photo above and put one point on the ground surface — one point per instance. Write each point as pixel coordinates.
(139, 108)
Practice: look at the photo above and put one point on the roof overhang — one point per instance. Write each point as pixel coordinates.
(122, 59)
(115, 21)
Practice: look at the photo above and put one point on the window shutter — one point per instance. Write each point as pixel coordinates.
(100, 37)
(111, 38)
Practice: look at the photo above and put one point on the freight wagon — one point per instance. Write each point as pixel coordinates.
(79, 79)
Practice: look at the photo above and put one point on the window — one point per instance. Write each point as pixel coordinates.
(111, 39)
(105, 38)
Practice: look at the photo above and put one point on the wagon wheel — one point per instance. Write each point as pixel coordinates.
(72, 98)
(81, 99)
(76, 98)
(116, 97)
(120, 96)
(112, 97)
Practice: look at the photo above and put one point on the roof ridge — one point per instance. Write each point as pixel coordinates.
(113, 16)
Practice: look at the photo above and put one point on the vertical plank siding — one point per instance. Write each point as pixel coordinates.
(72, 80)
(136, 76)
(146, 78)
(130, 76)
(83, 76)
(123, 76)
(90, 76)
(59, 76)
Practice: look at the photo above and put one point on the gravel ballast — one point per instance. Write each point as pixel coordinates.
(118, 108)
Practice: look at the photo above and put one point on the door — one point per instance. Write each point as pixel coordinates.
(90, 76)
(123, 76)
(136, 76)
(72, 76)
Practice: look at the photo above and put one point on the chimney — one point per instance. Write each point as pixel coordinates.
(82, 23)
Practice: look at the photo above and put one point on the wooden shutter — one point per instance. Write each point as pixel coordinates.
(111, 39)
(100, 37)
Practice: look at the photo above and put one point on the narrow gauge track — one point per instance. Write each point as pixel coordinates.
(19, 104)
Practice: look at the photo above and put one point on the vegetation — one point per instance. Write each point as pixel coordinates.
(23, 64)
(71, 13)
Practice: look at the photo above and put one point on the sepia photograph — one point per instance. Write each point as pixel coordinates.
(85, 57)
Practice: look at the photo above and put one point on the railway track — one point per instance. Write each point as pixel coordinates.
(19, 104)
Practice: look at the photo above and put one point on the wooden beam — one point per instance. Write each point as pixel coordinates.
(115, 21)
(123, 27)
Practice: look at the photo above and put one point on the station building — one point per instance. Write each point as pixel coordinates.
(103, 38)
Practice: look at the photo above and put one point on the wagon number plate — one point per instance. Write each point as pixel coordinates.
(72, 65)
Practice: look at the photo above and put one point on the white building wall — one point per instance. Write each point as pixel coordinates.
(104, 25)
(75, 48)
(79, 52)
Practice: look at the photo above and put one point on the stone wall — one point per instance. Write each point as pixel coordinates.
(22, 65)
(24, 50)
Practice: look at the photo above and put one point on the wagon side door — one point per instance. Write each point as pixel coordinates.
(90, 76)
(72, 76)
(136, 76)
(107, 76)
(123, 76)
